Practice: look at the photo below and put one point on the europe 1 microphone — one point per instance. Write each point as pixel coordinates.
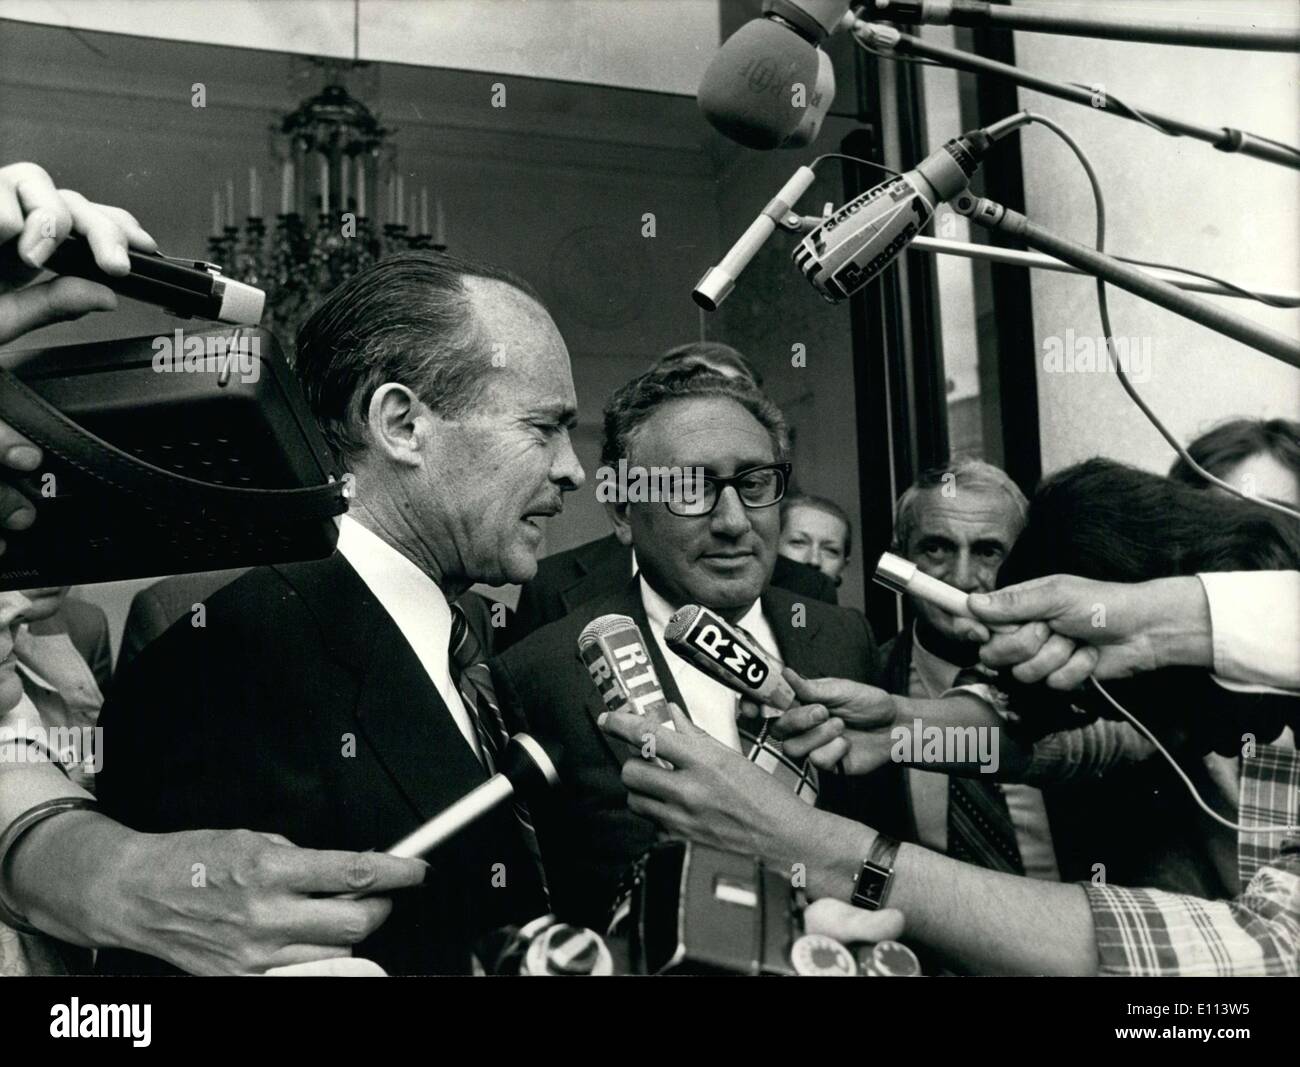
(853, 245)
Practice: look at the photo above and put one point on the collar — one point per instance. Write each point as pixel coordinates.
(937, 675)
(408, 594)
(659, 611)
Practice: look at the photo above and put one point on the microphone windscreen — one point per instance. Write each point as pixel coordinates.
(747, 92)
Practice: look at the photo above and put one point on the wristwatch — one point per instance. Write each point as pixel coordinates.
(871, 888)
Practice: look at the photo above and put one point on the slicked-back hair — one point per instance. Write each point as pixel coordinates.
(964, 472)
(634, 403)
(712, 354)
(820, 503)
(1222, 448)
(409, 319)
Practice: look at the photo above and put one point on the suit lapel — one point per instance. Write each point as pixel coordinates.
(606, 565)
(797, 644)
(399, 711)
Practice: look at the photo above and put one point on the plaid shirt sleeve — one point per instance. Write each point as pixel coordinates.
(1151, 932)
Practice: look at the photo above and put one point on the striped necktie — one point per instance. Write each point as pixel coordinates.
(980, 829)
(470, 672)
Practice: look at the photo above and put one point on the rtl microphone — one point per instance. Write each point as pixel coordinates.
(523, 768)
(861, 239)
(711, 644)
(762, 80)
(615, 656)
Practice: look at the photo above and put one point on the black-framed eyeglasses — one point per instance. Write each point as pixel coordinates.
(693, 496)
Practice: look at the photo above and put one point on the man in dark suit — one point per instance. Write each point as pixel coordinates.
(327, 701)
(717, 550)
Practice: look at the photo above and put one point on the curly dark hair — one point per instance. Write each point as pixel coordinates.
(632, 404)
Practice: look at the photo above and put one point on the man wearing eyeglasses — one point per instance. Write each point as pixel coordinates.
(712, 542)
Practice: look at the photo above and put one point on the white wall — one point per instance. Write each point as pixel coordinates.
(1177, 201)
(641, 44)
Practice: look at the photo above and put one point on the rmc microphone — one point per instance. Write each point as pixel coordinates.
(614, 653)
(711, 644)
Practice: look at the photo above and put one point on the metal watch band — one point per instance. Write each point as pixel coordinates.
(9, 838)
(877, 874)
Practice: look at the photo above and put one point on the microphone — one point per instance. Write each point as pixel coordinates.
(717, 283)
(523, 767)
(184, 287)
(818, 105)
(711, 644)
(903, 576)
(852, 246)
(750, 92)
(614, 653)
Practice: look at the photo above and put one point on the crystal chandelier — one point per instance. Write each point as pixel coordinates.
(335, 164)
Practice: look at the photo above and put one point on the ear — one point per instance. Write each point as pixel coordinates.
(617, 512)
(397, 423)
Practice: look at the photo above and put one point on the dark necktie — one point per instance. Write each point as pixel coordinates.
(980, 830)
(470, 672)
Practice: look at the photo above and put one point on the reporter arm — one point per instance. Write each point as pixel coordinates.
(982, 921)
(62, 873)
(963, 710)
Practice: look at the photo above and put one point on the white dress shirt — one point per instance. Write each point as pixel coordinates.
(1255, 620)
(711, 705)
(931, 677)
(416, 604)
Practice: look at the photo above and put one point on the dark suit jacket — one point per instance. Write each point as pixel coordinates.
(587, 834)
(1137, 821)
(300, 709)
(156, 608)
(87, 627)
(569, 579)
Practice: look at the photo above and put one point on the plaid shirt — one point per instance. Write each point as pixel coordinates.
(1151, 932)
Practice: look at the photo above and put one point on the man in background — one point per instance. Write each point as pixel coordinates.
(957, 523)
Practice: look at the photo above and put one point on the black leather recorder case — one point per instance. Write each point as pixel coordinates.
(165, 454)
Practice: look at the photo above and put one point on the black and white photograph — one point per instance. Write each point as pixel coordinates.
(649, 488)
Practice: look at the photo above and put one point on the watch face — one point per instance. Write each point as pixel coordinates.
(870, 889)
(822, 957)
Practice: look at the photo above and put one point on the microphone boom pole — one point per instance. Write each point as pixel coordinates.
(980, 15)
(883, 40)
(994, 216)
